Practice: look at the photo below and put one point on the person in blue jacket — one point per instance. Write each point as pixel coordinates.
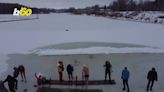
(125, 76)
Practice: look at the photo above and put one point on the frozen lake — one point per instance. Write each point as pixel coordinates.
(141, 43)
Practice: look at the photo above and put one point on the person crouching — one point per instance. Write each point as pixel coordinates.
(40, 79)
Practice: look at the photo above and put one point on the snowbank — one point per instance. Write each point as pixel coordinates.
(97, 50)
(155, 17)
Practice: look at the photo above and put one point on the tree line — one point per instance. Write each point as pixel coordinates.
(117, 5)
(132, 5)
(8, 8)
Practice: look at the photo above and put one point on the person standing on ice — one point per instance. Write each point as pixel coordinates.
(70, 72)
(108, 67)
(85, 74)
(151, 76)
(125, 77)
(60, 67)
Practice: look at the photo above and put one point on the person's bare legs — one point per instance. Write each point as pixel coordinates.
(24, 75)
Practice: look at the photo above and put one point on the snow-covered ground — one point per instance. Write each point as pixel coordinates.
(22, 36)
(18, 36)
(28, 35)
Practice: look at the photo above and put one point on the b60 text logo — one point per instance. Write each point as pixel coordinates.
(22, 12)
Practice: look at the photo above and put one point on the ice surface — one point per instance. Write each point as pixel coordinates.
(22, 36)
(50, 29)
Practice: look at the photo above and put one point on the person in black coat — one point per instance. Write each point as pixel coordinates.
(70, 72)
(151, 76)
(108, 67)
(16, 72)
(2, 87)
(12, 83)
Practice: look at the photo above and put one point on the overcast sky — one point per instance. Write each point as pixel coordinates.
(60, 3)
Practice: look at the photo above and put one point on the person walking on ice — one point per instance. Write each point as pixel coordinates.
(125, 77)
(151, 76)
(108, 67)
